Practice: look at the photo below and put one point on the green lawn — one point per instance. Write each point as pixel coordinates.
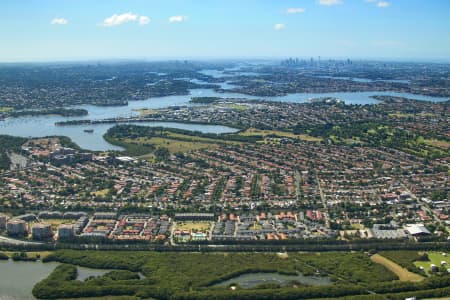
(238, 107)
(5, 109)
(435, 258)
(194, 226)
(278, 133)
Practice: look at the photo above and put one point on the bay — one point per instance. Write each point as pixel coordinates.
(40, 126)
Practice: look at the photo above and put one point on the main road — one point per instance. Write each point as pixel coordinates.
(326, 215)
(10, 241)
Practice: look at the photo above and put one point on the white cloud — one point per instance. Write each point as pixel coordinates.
(59, 21)
(330, 2)
(174, 19)
(144, 20)
(378, 3)
(295, 10)
(383, 4)
(115, 19)
(279, 26)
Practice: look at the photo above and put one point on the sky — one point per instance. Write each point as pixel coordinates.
(57, 30)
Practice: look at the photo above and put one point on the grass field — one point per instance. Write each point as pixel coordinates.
(283, 255)
(5, 109)
(178, 142)
(149, 157)
(264, 133)
(145, 111)
(175, 146)
(438, 143)
(435, 258)
(101, 193)
(194, 226)
(402, 273)
(404, 115)
(197, 138)
(256, 226)
(239, 107)
(56, 222)
(174, 142)
(357, 226)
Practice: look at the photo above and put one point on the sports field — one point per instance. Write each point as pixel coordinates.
(402, 273)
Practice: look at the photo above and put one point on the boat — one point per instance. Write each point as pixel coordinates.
(89, 130)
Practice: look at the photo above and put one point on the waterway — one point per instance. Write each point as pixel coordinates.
(253, 279)
(39, 126)
(367, 80)
(44, 126)
(17, 279)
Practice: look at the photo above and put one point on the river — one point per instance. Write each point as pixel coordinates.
(251, 280)
(17, 279)
(39, 126)
(367, 80)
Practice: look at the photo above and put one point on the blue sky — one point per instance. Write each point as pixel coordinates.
(50, 30)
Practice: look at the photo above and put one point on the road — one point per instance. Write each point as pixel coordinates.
(297, 180)
(171, 241)
(10, 241)
(424, 206)
(324, 203)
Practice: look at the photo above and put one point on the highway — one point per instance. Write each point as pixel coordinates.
(10, 241)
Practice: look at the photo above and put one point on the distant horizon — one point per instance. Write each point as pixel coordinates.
(225, 59)
(68, 30)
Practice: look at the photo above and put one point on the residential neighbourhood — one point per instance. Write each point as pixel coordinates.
(198, 227)
(265, 192)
